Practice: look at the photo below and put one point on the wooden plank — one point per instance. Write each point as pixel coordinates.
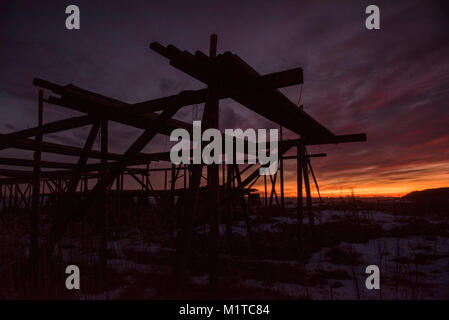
(231, 72)
(104, 206)
(190, 97)
(94, 103)
(142, 158)
(34, 230)
(307, 187)
(57, 126)
(78, 170)
(119, 115)
(299, 197)
(211, 114)
(29, 144)
(281, 168)
(314, 179)
(30, 163)
(313, 155)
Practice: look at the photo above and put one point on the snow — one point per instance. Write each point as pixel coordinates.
(420, 262)
(384, 252)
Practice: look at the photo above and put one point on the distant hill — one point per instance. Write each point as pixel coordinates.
(430, 198)
(429, 194)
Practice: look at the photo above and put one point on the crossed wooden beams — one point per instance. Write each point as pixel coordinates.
(226, 76)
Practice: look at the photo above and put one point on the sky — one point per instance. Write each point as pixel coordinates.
(392, 83)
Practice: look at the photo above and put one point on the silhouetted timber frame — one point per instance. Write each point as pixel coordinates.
(226, 76)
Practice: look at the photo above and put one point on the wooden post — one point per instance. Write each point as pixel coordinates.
(307, 185)
(30, 193)
(281, 168)
(209, 120)
(211, 114)
(265, 190)
(147, 175)
(185, 177)
(16, 196)
(299, 208)
(314, 179)
(82, 161)
(34, 231)
(117, 199)
(229, 209)
(242, 198)
(104, 234)
(273, 188)
(3, 199)
(86, 183)
(11, 195)
(172, 204)
(142, 178)
(185, 236)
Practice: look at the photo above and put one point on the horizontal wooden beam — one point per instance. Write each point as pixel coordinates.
(31, 163)
(185, 98)
(315, 155)
(50, 147)
(229, 72)
(21, 173)
(52, 127)
(93, 103)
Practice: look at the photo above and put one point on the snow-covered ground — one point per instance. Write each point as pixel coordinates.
(413, 265)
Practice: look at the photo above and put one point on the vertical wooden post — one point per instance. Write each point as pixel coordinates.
(307, 185)
(142, 179)
(4, 200)
(147, 175)
(185, 236)
(265, 190)
(229, 194)
(117, 200)
(34, 231)
(211, 114)
(210, 120)
(104, 233)
(281, 168)
(165, 180)
(30, 193)
(11, 197)
(273, 188)
(299, 208)
(185, 177)
(245, 208)
(16, 196)
(86, 183)
(172, 204)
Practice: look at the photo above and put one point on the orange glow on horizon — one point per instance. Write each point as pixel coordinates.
(367, 189)
(380, 191)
